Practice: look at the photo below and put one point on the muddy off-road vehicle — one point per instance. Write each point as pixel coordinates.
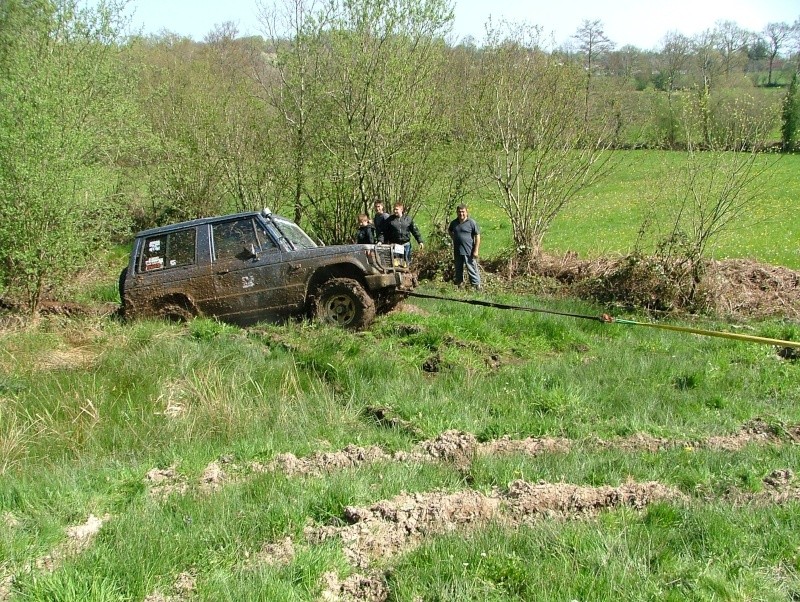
(256, 266)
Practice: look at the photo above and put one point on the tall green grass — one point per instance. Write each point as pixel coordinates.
(88, 407)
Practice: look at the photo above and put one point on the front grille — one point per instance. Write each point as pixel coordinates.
(387, 258)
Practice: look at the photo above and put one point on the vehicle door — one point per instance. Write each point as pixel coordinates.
(247, 272)
(167, 263)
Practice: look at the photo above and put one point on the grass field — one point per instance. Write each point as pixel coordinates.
(607, 218)
(449, 453)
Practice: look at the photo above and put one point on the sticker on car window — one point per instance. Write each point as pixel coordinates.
(153, 263)
(154, 246)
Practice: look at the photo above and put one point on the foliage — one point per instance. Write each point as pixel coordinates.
(536, 139)
(213, 148)
(712, 190)
(790, 129)
(357, 96)
(65, 117)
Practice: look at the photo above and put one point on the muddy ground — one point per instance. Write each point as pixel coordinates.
(370, 535)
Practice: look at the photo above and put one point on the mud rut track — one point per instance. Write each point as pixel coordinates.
(372, 534)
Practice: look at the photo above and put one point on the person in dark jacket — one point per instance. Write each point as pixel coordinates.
(398, 229)
(466, 237)
(366, 231)
(380, 217)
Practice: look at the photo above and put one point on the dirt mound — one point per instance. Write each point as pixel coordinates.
(79, 538)
(452, 446)
(321, 462)
(526, 501)
(745, 287)
(457, 448)
(530, 446)
(363, 588)
(735, 287)
(183, 588)
(391, 526)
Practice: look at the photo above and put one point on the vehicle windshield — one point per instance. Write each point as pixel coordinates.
(293, 233)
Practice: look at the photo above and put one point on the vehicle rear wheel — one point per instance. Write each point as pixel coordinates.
(175, 312)
(121, 285)
(345, 303)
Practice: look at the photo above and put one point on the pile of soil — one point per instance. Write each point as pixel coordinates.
(738, 288)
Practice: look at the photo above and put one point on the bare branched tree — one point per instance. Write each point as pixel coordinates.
(358, 96)
(731, 40)
(715, 189)
(534, 140)
(592, 44)
(776, 34)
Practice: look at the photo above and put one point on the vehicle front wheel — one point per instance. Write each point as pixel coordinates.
(345, 303)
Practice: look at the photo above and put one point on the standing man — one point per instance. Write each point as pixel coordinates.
(398, 229)
(466, 237)
(380, 219)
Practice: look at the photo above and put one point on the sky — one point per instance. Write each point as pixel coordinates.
(641, 23)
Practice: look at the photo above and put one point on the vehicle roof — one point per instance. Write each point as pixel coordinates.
(200, 222)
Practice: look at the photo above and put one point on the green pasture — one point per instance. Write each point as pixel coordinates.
(89, 406)
(606, 219)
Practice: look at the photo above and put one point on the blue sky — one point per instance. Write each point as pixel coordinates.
(642, 23)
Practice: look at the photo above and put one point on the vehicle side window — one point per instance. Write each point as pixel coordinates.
(232, 239)
(169, 250)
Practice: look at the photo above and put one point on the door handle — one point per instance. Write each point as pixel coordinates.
(222, 272)
(293, 267)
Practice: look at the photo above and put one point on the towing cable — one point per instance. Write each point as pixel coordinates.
(607, 319)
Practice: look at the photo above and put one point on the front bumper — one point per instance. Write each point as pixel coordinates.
(399, 280)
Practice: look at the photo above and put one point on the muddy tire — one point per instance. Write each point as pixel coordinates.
(344, 302)
(175, 312)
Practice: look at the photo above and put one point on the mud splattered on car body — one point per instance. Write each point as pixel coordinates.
(258, 266)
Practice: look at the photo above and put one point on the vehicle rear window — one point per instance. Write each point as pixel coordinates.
(168, 250)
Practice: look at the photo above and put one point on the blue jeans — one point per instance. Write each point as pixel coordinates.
(407, 249)
(472, 270)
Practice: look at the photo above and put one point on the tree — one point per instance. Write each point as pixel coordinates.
(593, 45)
(674, 60)
(731, 41)
(675, 56)
(776, 35)
(362, 73)
(65, 121)
(715, 188)
(536, 140)
(790, 117)
(709, 65)
(214, 148)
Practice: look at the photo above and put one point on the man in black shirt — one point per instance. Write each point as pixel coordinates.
(380, 218)
(398, 229)
(466, 237)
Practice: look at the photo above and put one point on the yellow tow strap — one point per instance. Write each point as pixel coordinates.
(606, 319)
(710, 333)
